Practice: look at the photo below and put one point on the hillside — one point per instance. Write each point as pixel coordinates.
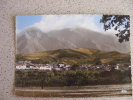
(78, 56)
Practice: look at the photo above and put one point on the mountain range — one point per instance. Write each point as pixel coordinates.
(33, 40)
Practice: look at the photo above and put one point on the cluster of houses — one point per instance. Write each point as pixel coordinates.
(106, 67)
(61, 66)
(29, 65)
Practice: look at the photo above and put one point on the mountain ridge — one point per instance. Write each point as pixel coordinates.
(34, 40)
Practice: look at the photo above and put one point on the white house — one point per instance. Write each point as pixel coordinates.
(67, 67)
(56, 68)
(61, 65)
(21, 67)
(33, 67)
(117, 67)
(46, 67)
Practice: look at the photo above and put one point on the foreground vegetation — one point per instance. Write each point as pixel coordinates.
(40, 78)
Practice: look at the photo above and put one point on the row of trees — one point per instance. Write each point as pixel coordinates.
(27, 78)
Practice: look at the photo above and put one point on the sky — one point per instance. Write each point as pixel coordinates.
(48, 23)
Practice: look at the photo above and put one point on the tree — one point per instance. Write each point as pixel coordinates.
(75, 67)
(121, 23)
(42, 75)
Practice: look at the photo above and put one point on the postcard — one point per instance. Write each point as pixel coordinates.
(81, 55)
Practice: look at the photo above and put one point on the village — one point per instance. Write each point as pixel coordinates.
(27, 65)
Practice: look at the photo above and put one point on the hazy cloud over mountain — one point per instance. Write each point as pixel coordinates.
(34, 40)
(57, 22)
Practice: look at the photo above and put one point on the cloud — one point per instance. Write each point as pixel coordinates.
(17, 30)
(57, 22)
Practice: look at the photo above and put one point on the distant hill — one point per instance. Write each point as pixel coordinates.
(78, 56)
(34, 40)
